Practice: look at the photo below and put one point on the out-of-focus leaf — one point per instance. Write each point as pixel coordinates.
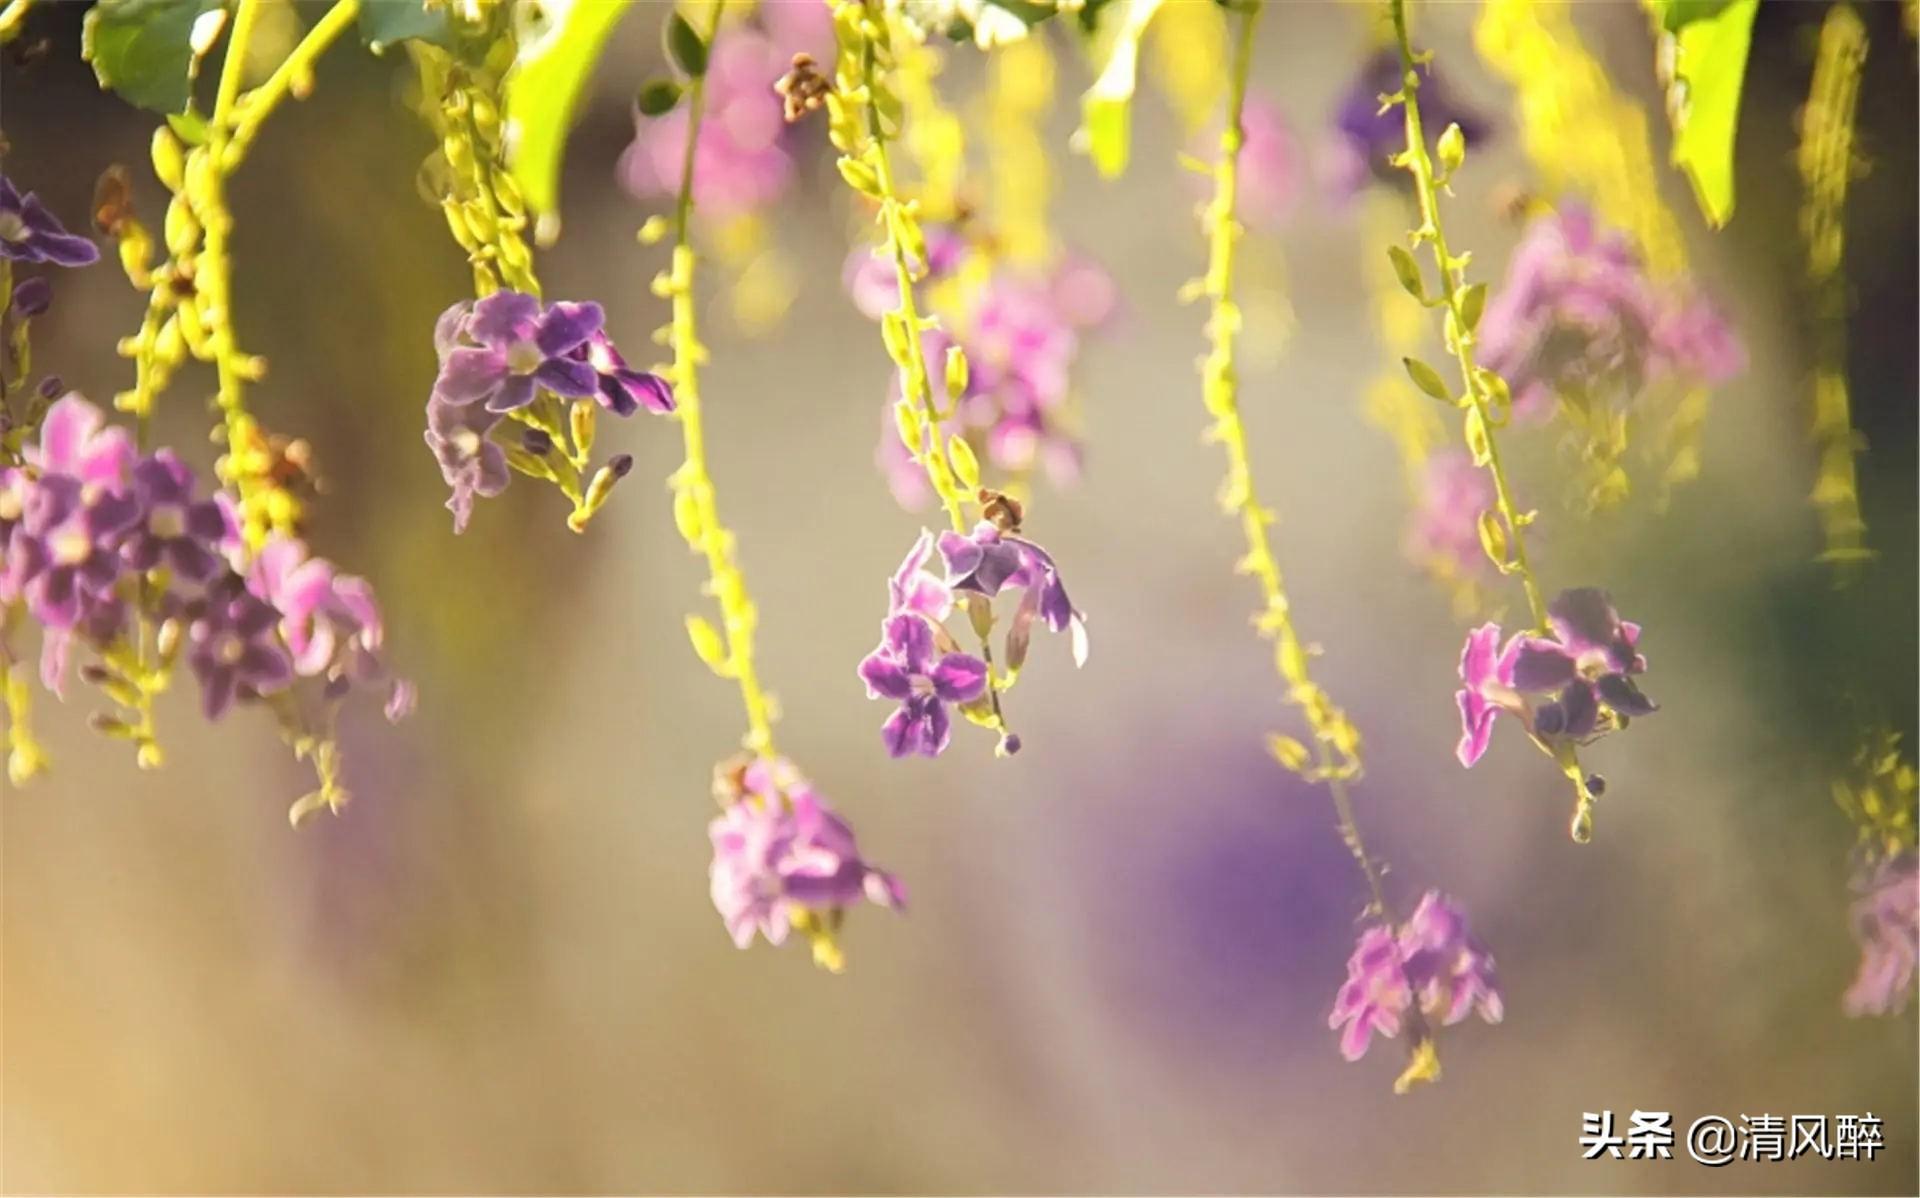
(1707, 59)
(143, 50)
(1676, 14)
(685, 46)
(1106, 121)
(543, 89)
(657, 97)
(386, 22)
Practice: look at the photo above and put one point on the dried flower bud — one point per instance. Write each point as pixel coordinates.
(803, 87)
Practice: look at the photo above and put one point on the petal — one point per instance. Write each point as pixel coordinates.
(1582, 708)
(958, 678)
(884, 677)
(936, 727)
(1478, 656)
(504, 318)
(960, 554)
(1584, 618)
(1540, 665)
(1618, 692)
(901, 732)
(515, 392)
(566, 326)
(67, 427)
(1476, 726)
(568, 377)
(469, 374)
(910, 638)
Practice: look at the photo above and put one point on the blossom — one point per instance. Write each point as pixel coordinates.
(506, 348)
(469, 462)
(1367, 134)
(76, 440)
(1269, 168)
(623, 390)
(232, 647)
(1587, 665)
(913, 589)
(29, 233)
(30, 298)
(1446, 521)
(63, 555)
(1375, 996)
(329, 621)
(873, 283)
(1434, 962)
(1886, 921)
(1579, 316)
(175, 528)
(780, 849)
(907, 668)
(990, 559)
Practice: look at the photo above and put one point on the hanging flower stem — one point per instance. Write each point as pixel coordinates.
(696, 509)
(1485, 400)
(1335, 759)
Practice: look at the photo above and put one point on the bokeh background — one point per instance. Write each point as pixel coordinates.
(498, 969)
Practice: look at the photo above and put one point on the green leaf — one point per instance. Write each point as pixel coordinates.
(685, 46)
(1427, 379)
(1407, 271)
(143, 49)
(1703, 98)
(1106, 120)
(657, 97)
(385, 23)
(543, 90)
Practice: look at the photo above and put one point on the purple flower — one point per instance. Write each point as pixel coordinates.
(1451, 970)
(906, 668)
(989, 559)
(506, 348)
(1434, 962)
(29, 233)
(1366, 137)
(63, 555)
(175, 528)
(30, 298)
(1886, 921)
(623, 390)
(1446, 523)
(1269, 166)
(874, 286)
(780, 849)
(232, 647)
(1578, 316)
(329, 622)
(913, 590)
(1375, 996)
(469, 462)
(1587, 665)
(76, 440)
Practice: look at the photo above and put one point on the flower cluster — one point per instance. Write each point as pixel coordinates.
(1586, 668)
(102, 542)
(745, 157)
(1579, 317)
(1367, 134)
(1434, 963)
(1020, 335)
(919, 665)
(497, 356)
(1886, 922)
(1269, 165)
(1445, 533)
(783, 860)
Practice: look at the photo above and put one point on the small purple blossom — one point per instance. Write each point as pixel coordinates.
(469, 461)
(1446, 522)
(990, 559)
(910, 669)
(1579, 316)
(76, 440)
(29, 233)
(63, 556)
(873, 283)
(1886, 922)
(1269, 164)
(175, 529)
(1434, 963)
(623, 390)
(233, 649)
(1366, 135)
(329, 621)
(779, 849)
(1587, 666)
(506, 348)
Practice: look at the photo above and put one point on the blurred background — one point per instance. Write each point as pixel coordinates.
(498, 968)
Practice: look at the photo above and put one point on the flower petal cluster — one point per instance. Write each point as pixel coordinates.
(1575, 686)
(1886, 922)
(1579, 317)
(30, 233)
(1434, 963)
(780, 852)
(1367, 134)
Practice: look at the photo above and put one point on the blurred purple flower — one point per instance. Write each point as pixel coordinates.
(1375, 996)
(63, 555)
(1446, 522)
(76, 440)
(174, 527)
(1886, 922)
(623, 390)
(1578, 316)
(469, 462)
(873, 284)
(329, 621)
(232, 647)
(1365, 137)
(29, 233)
(1434, 961)
(30, 298)
(778, 847)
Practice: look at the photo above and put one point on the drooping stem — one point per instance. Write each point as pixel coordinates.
(1484, 399)
(695, 504)
(1826, 163)
(1336, 756)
